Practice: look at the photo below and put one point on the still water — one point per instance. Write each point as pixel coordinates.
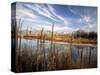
(86, 52)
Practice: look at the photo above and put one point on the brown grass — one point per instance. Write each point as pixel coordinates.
(26, 61)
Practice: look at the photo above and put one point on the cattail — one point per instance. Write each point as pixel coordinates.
(52, 36)
(71, 37)
(44, 51)
(41, 36)
(41, 44)
(20, 37)
(18, 31)
(37, 54)
(50, 54)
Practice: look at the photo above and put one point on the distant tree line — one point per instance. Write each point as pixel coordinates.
(83, 34)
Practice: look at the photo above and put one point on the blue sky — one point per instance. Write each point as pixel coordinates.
(64, 17)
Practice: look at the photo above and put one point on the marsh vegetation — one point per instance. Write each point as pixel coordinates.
(51, 51)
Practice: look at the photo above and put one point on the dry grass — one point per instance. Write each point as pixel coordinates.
(28, 61)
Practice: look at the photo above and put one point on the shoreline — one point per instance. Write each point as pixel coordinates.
(62, 42)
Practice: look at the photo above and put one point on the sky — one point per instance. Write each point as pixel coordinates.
(66, 18)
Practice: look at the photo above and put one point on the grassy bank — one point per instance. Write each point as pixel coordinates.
(77, 40)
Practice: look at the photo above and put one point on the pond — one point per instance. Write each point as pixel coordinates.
(86, 52)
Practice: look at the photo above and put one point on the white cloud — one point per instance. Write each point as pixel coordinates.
(42, 11)
(56, 28)
(86, 18)
(89, 27)
(48, 12)
(25, 13)
(89, 24)
(48, 27)
(52, 10)
(51, 13)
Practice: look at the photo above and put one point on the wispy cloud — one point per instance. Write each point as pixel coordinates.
(90, 27)
(25, 13)
(48, 12)
(52, 10)
(43, 15)
(86, 18)
(42, 11)
(57, 28)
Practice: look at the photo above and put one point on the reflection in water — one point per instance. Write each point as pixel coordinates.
(84, 54)
(87, 54)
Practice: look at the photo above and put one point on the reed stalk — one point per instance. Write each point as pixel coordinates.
(37, 54)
